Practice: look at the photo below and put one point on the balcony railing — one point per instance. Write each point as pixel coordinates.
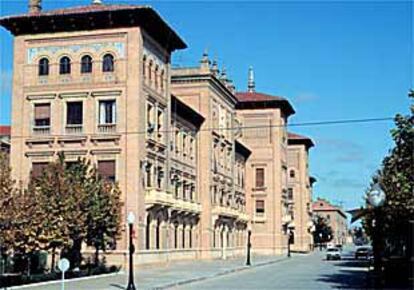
(107, 128)
(41, 130)
(74, 129)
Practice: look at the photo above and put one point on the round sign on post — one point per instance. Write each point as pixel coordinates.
(63, 266)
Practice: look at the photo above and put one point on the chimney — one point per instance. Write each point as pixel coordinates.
(35, 6)
(251, 85)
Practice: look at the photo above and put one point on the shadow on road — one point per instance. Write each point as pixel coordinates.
(353, 274)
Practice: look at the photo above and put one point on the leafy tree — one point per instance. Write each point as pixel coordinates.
(323, 232)
(396, 178)
(7, 205)
(104, 215)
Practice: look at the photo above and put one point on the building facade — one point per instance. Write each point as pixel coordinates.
(300, 192)
(336, 218)
(263, 119)
(197, 162)
(223, 218)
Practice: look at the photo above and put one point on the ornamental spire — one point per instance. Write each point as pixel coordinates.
(251, 85)
(35, 6)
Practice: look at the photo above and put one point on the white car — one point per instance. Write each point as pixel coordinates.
(333, 254)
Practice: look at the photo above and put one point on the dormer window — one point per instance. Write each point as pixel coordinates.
(108, 63)
(64, 65)
(43, 67)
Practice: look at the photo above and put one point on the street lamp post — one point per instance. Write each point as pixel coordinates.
(249, 245)
(288, 248)
(376, 198)
(131, 220)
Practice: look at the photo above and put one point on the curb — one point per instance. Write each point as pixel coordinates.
(66, 280)
(219, 274)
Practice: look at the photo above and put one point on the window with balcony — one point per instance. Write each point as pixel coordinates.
(160, 177)
(107, 116)
(74, 117)
(41, 118)
(64, 65)
(148, 174)
(150, 119)
(86, 64)
(43, 67)
(108, 63)
(260, 177)
(160, 124)
(106, 169)
(260, 207)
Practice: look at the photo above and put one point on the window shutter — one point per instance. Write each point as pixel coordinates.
(260, 206)
(259, 177)
(37, 169)
(42, 111)
(106, 169)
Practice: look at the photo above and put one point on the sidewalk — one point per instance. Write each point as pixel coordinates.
(164, 276)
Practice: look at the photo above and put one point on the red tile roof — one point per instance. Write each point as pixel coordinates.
(294, 138)
(324, 205)
(80, 10)
(90, 17)
(256, 97)
(252, 100)
(5, 130)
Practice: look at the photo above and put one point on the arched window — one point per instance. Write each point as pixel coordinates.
(86, 64)
(150, 70)
(108, 63)
(156, 76)
(292, 173)
(64, 65)
(162, 79)
(43, 67)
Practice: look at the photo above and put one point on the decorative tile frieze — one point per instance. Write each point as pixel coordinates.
(35, 52)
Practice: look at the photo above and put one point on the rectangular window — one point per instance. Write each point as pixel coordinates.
(148, 173)
(38, 168)
(42, 115)
(260, 207)
(290, 193)
(106, 169)
(160, 123)
(74, 113)
(260, 177)
(107, 112)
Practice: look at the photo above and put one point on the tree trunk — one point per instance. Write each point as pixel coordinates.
(96, 255)
(53, 259)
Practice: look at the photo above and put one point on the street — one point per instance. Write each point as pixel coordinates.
(301, 271)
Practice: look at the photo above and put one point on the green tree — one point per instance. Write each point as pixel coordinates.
(7, 205)
(396, 178)
(104, 215)
(323, 231)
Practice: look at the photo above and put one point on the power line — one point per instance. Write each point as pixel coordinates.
(302, 124)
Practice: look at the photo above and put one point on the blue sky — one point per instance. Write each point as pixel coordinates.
(332, 60)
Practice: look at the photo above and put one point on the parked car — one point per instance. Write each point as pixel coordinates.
(364, 252)
(333, 254)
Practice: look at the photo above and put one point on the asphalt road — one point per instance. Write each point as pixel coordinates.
(300, 272)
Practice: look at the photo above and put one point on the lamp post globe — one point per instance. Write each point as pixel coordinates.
(376, 197)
